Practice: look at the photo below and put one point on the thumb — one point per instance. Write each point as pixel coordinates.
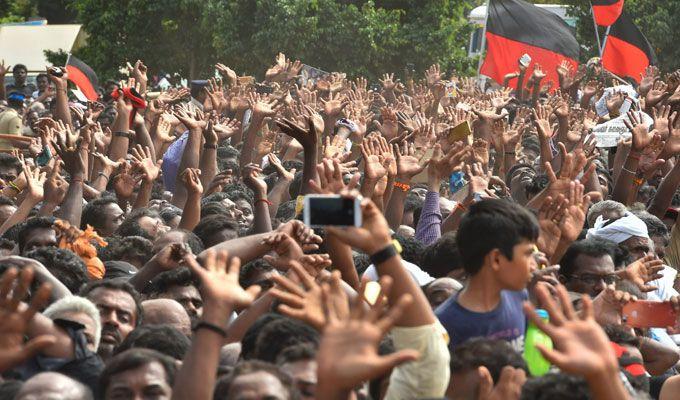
(34, 346)
(485, 383)
(386, 363)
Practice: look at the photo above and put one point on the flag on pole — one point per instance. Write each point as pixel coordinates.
(606, 12)
(516, 27)
(627, 52)
(83, 77)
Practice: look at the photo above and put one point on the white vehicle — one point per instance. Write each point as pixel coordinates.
(478, 17)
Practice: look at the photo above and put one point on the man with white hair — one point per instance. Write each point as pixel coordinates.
(80, 310)
(51, 385)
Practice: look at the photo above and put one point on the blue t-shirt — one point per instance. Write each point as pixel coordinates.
(506, 322)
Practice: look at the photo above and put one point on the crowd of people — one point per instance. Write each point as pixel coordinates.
(153, 245)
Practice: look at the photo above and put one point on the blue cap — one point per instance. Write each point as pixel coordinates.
(16, 96)
(542, 314)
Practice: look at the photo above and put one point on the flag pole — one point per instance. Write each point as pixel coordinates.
(68, 58)
(597, 33)
(481, 58)
(606, 35)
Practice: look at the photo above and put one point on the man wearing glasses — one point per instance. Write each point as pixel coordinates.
(588, 266)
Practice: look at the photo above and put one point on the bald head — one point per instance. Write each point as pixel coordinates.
(53, 386)
(166, 311)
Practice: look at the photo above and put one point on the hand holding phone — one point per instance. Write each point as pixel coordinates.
(331, 210)
(650, 314)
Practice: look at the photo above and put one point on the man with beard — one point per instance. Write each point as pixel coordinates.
(120, 310)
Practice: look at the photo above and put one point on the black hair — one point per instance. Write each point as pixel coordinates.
(195, 243)
(132, 359)
(361, 262)
(286, 211)
(42, 75)
(282, 333)
(493, 224)
(412, 201)
(514, 169)
(223, 385)
(295, 185)
(556, 386)
(12, 234)
(655, 227)
(94, 214)
(295, 353)
(64, 264)
(129, 248)
(19, 66)
(31, 225)
(490, 353)
(6, 201)
(249, 272)
(224, 165)
(227, 152)
(170, 213)
(621, 335)
(9, 389)
(209, 226)
(162, 282)
(7, 244)
(9, 161)
(249, 341)
(411, 248)
(441, 257)
(237, 191)
(537, 184)
(214, 198)
(130, 226)
(163, 338)
(122, 286)
(592, 247)
(213, 208)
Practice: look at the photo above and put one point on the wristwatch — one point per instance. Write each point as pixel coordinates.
(386, 253)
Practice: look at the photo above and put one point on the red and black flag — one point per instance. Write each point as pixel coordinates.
(82, 76)
(627, 52)
(606, 12)
(515, 27)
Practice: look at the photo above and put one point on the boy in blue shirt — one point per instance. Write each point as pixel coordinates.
(496, 240)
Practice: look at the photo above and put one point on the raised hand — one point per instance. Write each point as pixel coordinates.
(334, 105)
(286, 248)
(280, 170)
(375, 165)
(145, 164)
(408, 165)
(300, 302)
(642, 137)
(307, 136)
(550, 218)
(643, 271)
(509, 386)
(252, 177)
(4, 69)
(219, 286)
(191, 177)
(388, 82)
(542, 121)
(373, 235)
(14, 287)
(35, 181)
(330, 178)
(433, 75)
(580, 346)
(348, 352)
(575, 215)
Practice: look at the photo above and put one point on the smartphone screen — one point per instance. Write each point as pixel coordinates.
(649, 314)
(331, 210)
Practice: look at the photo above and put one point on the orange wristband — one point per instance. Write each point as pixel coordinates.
(405, 187)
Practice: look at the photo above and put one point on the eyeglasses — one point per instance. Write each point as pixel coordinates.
(593, 279)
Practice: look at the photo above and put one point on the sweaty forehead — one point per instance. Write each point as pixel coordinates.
(113, 298)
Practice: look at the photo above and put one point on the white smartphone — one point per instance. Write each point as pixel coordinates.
(525, 60)
(331, 210)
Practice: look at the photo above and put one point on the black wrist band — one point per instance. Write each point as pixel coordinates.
(211, 327)
(384, 254)
(123, 134)
(210, 146)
